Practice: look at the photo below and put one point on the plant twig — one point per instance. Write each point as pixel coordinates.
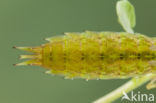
(127, 87)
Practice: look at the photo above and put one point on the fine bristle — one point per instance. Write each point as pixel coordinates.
(29, 62)
(48, 72)
(19, 64)
(35, 57)
(23, 48)
(27, 56)
(29, 49)
(48, 39)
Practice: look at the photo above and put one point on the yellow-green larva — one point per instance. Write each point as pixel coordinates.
(95, 55)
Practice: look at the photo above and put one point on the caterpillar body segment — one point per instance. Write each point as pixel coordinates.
(96, 55)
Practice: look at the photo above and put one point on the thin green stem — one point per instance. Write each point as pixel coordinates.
(127, 87)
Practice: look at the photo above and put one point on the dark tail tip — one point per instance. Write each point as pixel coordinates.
(14, 47)
(14, 64)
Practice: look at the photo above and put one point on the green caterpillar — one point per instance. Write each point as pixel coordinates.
(95, 55)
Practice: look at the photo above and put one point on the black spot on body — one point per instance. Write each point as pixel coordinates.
(101, 56)
(138, 56)
(82, 56)
(121, 56)
(64, 56)
(50, 58)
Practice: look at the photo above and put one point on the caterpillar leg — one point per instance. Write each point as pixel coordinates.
(152, 84)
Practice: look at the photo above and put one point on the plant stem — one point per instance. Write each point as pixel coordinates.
(127, 87)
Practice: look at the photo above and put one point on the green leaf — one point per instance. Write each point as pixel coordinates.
(126, 15)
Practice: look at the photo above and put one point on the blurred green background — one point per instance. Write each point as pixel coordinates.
(28, 22)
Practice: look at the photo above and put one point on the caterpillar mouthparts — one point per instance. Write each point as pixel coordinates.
(95, 55)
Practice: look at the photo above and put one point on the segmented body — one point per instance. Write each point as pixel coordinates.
(97, 55)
